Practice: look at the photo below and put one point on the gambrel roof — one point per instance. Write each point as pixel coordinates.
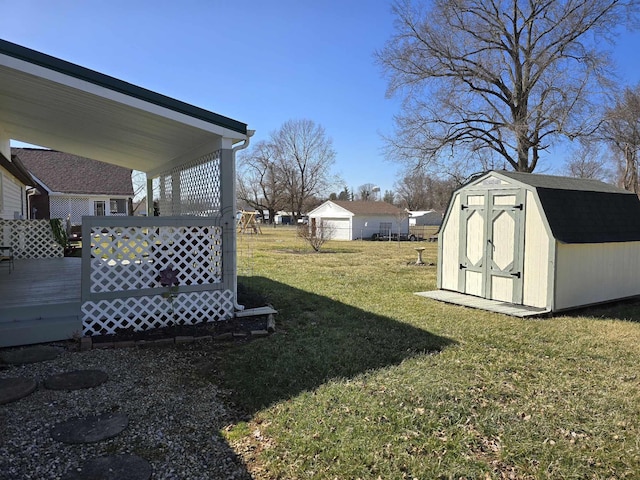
(583, 210)
(65, 173)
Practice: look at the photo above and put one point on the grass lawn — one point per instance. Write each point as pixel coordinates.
(363, 379)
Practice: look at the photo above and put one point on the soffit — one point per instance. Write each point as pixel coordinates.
(53, 109)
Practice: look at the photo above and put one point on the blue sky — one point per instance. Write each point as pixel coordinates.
(260, 62)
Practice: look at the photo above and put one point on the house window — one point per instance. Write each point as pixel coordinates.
(385, 229)
(118, 206)
(99, 208)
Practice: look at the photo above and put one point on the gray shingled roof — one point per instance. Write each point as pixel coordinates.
(562, 183)
(368, 208)
(584, 210)
(66, 173)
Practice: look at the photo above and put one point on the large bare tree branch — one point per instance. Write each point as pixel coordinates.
(509, 76)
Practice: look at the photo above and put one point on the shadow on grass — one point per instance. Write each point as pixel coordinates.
(628, 310)
(316, 339)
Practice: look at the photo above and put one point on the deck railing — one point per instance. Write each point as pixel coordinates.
(30, 238)
(123, 257)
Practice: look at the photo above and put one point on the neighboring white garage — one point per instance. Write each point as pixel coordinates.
(360, 220)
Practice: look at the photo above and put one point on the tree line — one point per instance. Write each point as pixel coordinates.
(291, 171)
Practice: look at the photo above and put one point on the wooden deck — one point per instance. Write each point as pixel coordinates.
(40, 301)
(40, 281)
(484, 304)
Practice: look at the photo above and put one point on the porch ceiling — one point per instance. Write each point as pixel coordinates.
(49, 102)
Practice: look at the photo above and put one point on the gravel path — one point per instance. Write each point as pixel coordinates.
(175, 415)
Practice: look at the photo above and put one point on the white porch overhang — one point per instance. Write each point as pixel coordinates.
(59, 105)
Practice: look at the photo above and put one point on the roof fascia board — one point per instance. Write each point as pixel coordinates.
(40, 183)
(71, 70)
(341, 208)
(510, 182)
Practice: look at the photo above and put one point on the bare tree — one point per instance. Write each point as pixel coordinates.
(389, 197)
(305, 156)
(368, 192)
(508, 77)
(418, 190)
(317, 233)
(259, 182)
(589, 161)
(621, 129)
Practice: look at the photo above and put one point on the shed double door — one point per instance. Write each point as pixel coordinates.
(491, 241)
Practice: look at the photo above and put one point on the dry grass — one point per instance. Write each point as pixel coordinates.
(363, 379)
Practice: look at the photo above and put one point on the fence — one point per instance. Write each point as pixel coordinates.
(123, 257)
(30, 239)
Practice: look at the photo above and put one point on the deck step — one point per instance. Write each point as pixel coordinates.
(51, 329)
(35, 312)
(255, 312)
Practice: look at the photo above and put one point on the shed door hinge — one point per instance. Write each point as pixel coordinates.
(518, 207)
(517, 274)
(463, 207)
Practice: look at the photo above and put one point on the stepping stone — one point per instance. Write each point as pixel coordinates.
(90, 429)
(112, 467)
(35, 354)
(76, 380)
(12, 389)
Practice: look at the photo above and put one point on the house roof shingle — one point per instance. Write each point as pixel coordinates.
(66, 173)
(369, 208)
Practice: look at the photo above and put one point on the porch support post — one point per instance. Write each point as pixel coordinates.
(176, 194)
(149, 197)
(5, 143)
(228, 220)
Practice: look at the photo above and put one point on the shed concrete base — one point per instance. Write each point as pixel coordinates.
(484, 304)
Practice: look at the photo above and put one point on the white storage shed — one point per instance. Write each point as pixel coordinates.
(359, 219)
(542, 242)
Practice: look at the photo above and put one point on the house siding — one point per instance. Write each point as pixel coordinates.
(537, 262)
(449, 241)
(594, 273)
(12, 204)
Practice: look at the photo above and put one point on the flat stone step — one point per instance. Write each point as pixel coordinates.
(12, 389)
(90, 429)
(39, 353)
(76, 380)
(112, 467)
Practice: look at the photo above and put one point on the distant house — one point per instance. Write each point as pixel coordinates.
(14, 181)
(354, 220)
(69, 186)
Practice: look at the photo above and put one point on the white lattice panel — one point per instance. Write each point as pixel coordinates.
(192, 189)
(74, 207)
(131, 258)
(31, 238)
(141, 313)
